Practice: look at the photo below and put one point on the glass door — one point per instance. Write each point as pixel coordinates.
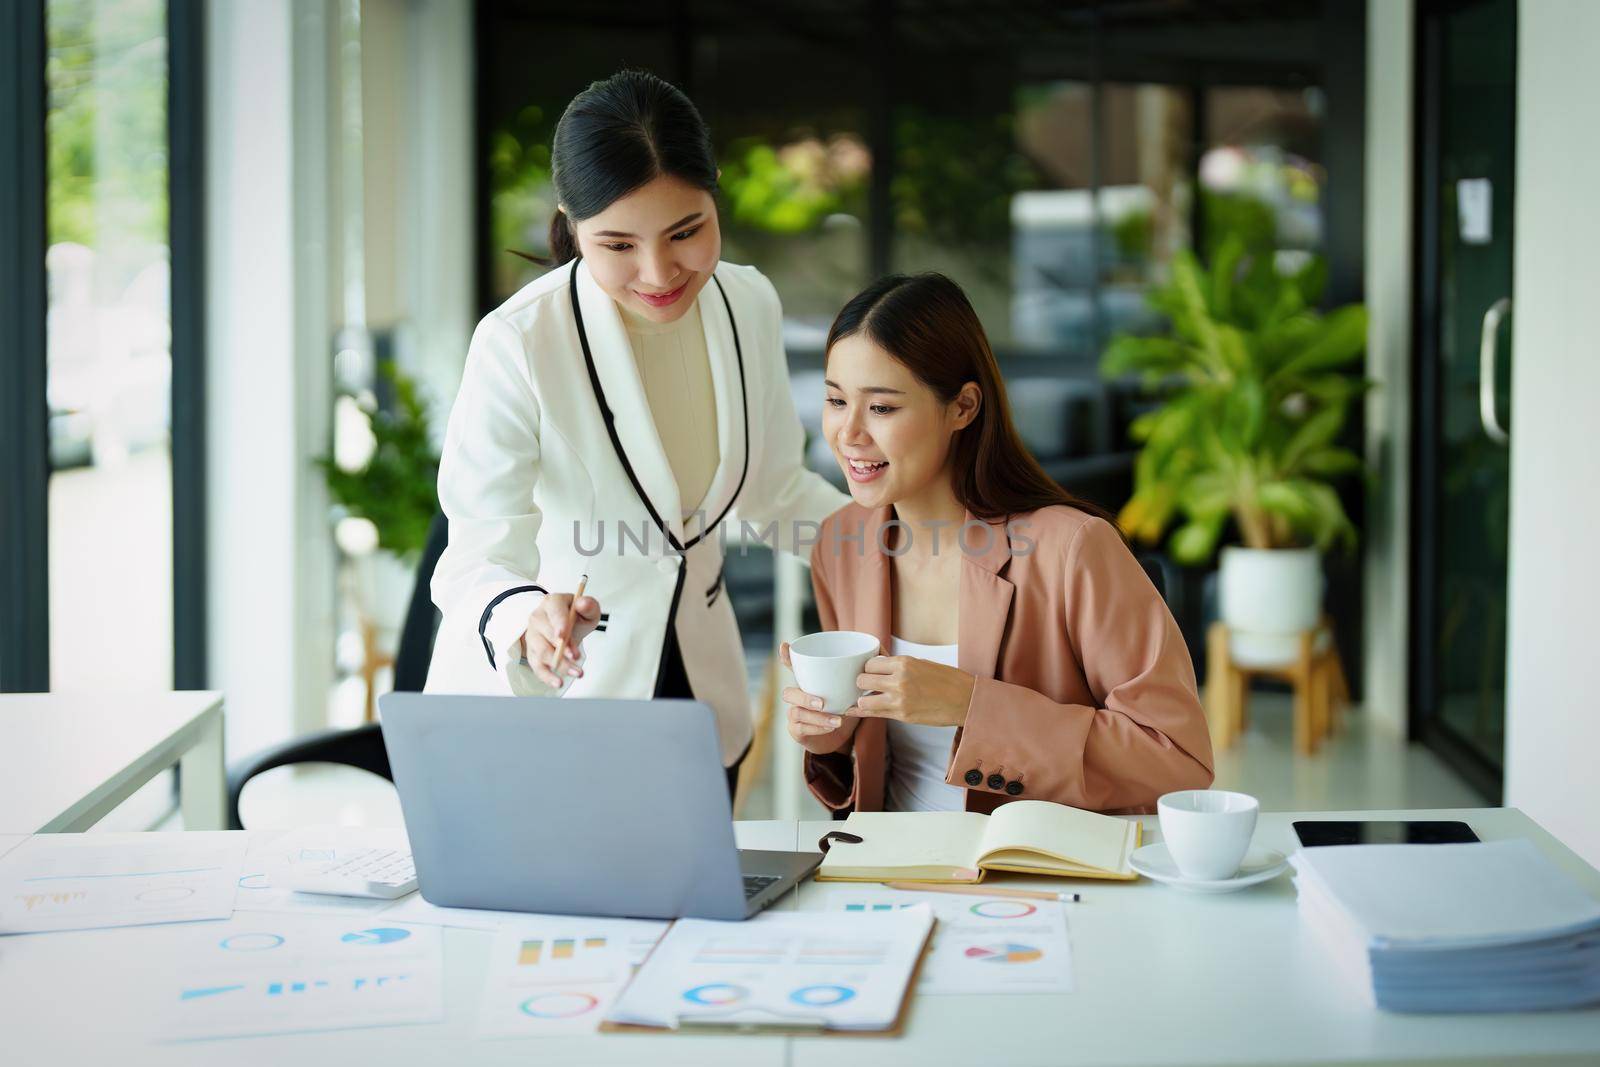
(1466, 166)
(109, 346)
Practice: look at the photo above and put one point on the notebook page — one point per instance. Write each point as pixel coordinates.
(892, 840)
(1082, 837)
(1449, 895)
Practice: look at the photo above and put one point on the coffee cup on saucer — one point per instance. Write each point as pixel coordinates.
(827, 664)
(1207, 831)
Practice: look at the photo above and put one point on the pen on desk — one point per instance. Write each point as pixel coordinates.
(986, 891)
(566, 634)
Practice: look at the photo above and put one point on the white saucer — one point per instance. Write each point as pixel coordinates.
(1260, 864)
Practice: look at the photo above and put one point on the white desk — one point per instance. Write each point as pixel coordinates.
(68, 759)
(1163, 978)
(1166, 977)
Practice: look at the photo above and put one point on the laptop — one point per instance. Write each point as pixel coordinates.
(575, 807)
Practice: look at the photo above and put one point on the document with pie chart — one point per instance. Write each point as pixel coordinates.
(982, 945)
(781, 970)
(90, 881)
(269, 973)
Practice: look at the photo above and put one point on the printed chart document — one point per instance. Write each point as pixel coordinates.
(88, 881)
(1027, 836)
(805, 971)
(556, 974)
(982, 944)
(273, 856)
(261, 973)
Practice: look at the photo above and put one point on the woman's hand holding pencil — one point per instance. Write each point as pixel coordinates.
(556, 627)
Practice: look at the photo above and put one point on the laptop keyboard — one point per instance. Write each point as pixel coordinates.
(755, 883)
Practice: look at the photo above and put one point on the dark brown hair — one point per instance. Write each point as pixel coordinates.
(926, 323)
(620, 134)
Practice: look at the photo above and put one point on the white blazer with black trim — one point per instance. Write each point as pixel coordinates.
(552, 469)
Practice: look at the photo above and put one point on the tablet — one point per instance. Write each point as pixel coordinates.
(1313, 834)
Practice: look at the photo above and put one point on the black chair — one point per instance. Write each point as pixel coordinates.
(1156, 568)
(362, 746)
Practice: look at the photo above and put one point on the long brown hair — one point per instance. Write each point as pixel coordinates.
(925, 322)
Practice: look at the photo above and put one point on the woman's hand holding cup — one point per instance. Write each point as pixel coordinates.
(546, 625)
(826, 666)
(813, 728)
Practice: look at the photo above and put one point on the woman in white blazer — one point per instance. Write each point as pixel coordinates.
(616, 418)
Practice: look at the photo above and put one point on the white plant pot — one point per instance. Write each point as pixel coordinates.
(384, 585)
(1269, 597)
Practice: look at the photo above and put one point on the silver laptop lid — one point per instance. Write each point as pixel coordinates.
(582, 807)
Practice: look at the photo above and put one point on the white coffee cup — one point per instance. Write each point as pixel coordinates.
(1207, 831)
(827, 664)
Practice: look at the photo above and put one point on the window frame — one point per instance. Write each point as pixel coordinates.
(24, 415)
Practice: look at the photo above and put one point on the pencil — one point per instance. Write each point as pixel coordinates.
(566, 635)
(986, 891)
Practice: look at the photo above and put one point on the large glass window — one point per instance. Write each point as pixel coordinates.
(108, 346)
(1261, 176)
(1146, 188)
(790, 136)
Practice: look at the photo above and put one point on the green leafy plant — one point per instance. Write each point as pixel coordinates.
(1256, 387)
(397, 489)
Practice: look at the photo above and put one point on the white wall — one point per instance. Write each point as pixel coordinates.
(1390, 43)
(270, 569)
(1553, 711)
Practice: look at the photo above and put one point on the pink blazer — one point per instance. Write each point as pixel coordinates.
(1085, 695)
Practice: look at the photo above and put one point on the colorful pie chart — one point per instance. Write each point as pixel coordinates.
(558, 1005)
(251, 942)
(716, 993)
(1006, 953)
(1003, 909)
(822, 996)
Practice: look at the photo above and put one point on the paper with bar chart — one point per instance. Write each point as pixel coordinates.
(558, 974)
(804, 969)
(263, 973)
(88, 881)
(982, 944)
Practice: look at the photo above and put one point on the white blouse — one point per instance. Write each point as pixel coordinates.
(675, 370)
(919, 755)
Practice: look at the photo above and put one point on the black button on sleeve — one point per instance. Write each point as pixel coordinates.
(1014, 788)
(974, 777)
(996, 781)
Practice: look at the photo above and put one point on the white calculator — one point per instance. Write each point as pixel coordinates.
(384, 873)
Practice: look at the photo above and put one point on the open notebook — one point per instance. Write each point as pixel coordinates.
(1028, 836)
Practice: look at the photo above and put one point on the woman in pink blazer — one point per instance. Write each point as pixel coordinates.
(1028, 655)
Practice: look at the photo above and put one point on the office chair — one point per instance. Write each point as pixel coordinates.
(362, 746)
(1156, 567)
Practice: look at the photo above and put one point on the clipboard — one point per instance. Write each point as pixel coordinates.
(785, 1028)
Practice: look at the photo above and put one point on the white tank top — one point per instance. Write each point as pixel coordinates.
(920, 755)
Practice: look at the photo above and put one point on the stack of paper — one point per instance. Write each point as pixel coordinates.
(1454, 928)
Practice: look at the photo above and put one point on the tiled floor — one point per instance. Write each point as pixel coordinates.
(1359, 769)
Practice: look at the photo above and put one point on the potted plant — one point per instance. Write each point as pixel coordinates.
(383, 476)
(1256, 386)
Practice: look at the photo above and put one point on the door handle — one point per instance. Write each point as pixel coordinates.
(1486, 360)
